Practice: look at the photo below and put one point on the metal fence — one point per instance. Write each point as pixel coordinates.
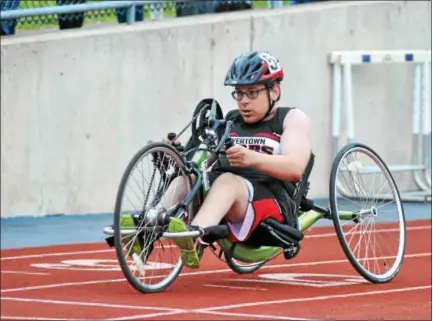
(32, 14)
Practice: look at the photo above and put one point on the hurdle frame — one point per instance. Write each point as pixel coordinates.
(420, 166)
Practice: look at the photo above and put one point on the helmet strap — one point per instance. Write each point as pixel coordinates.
(271, 104)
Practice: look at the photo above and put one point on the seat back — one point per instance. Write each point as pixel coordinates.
(300, 189)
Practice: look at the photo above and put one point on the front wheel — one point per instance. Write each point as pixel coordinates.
(149, 263)
(371, 225)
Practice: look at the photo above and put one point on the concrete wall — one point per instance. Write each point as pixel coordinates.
(76, 105)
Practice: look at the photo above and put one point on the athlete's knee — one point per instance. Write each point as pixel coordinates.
(233, 184)
(228, 179)
(237, 187)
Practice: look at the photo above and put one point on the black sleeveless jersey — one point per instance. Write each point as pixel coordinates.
(263, 137)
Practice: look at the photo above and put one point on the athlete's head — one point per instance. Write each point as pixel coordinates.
(255, 77)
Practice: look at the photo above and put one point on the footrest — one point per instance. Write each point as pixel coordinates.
(110, 241)
(217, 231)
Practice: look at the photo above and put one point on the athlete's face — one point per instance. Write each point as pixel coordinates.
(253, 101)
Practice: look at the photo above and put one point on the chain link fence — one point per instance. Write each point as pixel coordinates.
(152, 10)
(119, 12)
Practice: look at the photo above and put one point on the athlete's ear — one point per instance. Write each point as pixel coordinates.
(275, 92)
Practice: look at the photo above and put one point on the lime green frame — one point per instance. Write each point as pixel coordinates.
(239, 251)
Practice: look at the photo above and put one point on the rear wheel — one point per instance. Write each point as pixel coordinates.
(370, 225)
(149, 262)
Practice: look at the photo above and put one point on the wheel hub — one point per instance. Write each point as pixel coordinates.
(371, 212)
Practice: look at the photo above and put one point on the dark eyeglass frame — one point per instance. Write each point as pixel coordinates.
(251, 94)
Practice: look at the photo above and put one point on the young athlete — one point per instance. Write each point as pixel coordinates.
(272, 147)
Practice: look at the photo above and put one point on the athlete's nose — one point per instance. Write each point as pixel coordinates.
(245, 100)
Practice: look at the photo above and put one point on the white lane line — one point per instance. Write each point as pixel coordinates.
(5, 317)
(307, 235)
(24, 272)
(8, 258)
(235, 287)
(212, 310)
(155, 315)
(413, 228)
(249, 315)
(317, 298)
(146, 316)
(56, 285)
(91, 304)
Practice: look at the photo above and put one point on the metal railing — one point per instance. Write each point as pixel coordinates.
(53, 11)
(99, 8)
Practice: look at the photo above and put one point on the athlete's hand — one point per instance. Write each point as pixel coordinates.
(240, 156)
(166, 140)
(170, 142)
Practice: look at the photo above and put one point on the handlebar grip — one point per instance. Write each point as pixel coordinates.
(229, 143)
(171, 136)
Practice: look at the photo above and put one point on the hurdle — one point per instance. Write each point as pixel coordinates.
(420, 166)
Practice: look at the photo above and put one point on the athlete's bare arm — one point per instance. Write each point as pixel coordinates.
(295, 150)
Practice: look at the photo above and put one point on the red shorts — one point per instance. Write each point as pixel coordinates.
(262, 205)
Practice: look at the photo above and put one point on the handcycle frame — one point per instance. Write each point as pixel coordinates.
(288, 238)
(192, 159)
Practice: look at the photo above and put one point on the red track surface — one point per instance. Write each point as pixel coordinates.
(214, 291)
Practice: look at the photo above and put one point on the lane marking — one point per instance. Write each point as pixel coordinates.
(307, 235)
(305, 279)
(49, 286)
(92, 304)
(235, 287)
(212, 310)
(146, 316)
(249, 315)
(24, 272)
(4, 317)
(54, 254)
(318, 298)
(56, 285)
(97, 265)
(413, 228)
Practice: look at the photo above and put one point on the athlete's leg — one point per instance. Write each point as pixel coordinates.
(228, 197)
(176, 192)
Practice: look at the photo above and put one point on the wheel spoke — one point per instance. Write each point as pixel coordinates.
(375, 243)
(149, 263)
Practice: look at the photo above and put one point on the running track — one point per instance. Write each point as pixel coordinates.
(48, 283)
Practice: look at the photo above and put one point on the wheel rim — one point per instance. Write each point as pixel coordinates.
(157, 263)
(377, 206)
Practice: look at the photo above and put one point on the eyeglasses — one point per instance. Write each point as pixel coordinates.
(251, 94)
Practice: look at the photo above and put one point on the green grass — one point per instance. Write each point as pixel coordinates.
(50, 21)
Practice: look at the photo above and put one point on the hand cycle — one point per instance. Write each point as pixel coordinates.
(140, 241)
